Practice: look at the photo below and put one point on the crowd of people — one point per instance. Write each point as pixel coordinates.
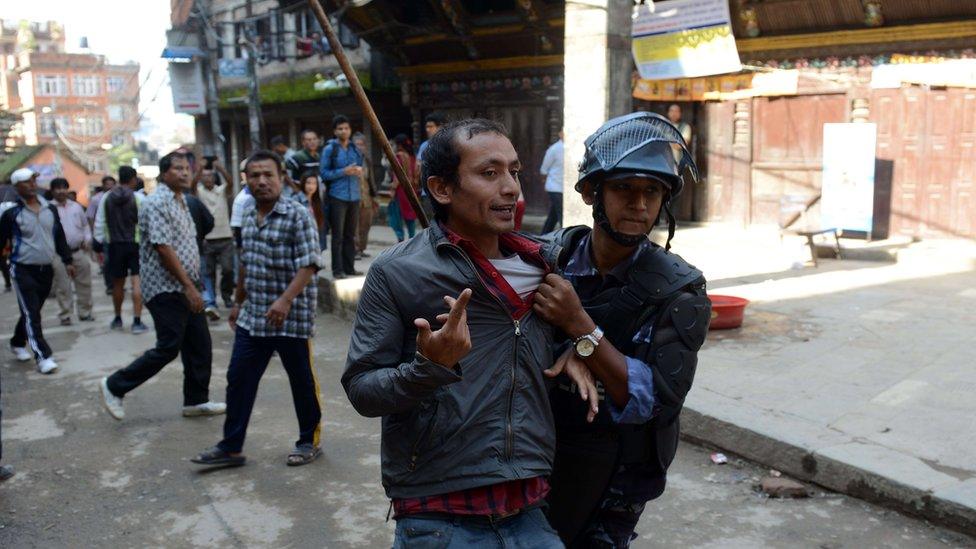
(530, 386)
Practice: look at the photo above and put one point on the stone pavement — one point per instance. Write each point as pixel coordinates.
(856, 375)
(86, 480)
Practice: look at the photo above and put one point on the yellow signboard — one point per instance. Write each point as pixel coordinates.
(684, 38)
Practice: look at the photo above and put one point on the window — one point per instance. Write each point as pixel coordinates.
(47, 124)
(52, 85)
(85, 86)
(89, 126)
(116, 113)
(114, 84)
(50, 124)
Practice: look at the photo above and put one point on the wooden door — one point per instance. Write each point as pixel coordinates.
(963, 180)
(528, 127)
(716, 140)
(937, 150)
(928, 136)
(787, 156)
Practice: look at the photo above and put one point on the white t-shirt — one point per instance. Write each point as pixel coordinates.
(523, 277)
(552, 167)
(241, 201)
(215, 202)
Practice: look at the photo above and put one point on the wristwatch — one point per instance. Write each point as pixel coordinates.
(585, 345)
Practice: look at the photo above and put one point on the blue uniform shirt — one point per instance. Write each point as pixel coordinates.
(586, 279)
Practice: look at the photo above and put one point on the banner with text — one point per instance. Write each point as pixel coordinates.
(189, 93)
(684, 38)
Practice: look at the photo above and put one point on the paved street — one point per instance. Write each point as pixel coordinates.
(85, 480)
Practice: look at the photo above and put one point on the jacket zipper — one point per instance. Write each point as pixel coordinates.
(509, 431)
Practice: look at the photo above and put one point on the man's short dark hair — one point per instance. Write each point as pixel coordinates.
(128, 173)
(263, 154)
(309, 130)
(339, 119)
(278, 140)
(436, 118)
(59, 183)
(166, 162)
(442, 155)
(107, 178)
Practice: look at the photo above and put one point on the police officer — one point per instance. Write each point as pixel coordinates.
(634, 315)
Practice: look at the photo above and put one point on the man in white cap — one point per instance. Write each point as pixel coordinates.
(33, 228)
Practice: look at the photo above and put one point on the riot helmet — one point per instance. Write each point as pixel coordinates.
(639, 144)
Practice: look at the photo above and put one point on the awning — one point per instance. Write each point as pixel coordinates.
(181, 52)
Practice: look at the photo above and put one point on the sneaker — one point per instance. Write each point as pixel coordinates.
(339, 276)
(47, 366)
(205, 409)
(6, 472)
(112, 403)
(86, 318)
(139, 328)
(212, 313)
(365, 254)
(21, 353)
(116, 324)
(355, 273)
(66, 322)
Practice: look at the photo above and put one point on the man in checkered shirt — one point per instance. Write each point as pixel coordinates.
(170, 270)
(274, 311)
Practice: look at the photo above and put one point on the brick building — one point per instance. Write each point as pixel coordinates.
(77, 102)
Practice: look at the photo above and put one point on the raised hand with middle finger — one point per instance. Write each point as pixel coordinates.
(452, 341)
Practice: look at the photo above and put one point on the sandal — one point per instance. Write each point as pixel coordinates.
(216, 456)
(303, 454)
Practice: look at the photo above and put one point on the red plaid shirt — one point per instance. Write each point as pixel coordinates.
(506, 497)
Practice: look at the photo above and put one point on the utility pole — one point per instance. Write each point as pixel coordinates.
(213, 104)
(253, 95)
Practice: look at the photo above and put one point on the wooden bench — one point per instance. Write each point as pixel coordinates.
(810, 233)
(797, 210)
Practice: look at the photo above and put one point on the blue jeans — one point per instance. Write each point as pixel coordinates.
(209, 299)
(529, 530)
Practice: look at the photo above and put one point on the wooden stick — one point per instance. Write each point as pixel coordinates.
(368, 112)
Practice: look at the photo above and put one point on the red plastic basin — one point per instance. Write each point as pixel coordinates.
(727, 311)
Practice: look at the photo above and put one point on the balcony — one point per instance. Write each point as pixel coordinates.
(290, 51)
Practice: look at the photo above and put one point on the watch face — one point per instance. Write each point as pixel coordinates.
(585, 347)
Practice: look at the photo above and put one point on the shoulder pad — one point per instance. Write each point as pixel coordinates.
(568, 238)
(660, 273)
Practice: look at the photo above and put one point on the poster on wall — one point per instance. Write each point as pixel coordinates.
(847, 200)
(189, 93)
(684, 39)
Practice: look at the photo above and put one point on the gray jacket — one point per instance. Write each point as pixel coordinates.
(445, 430)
